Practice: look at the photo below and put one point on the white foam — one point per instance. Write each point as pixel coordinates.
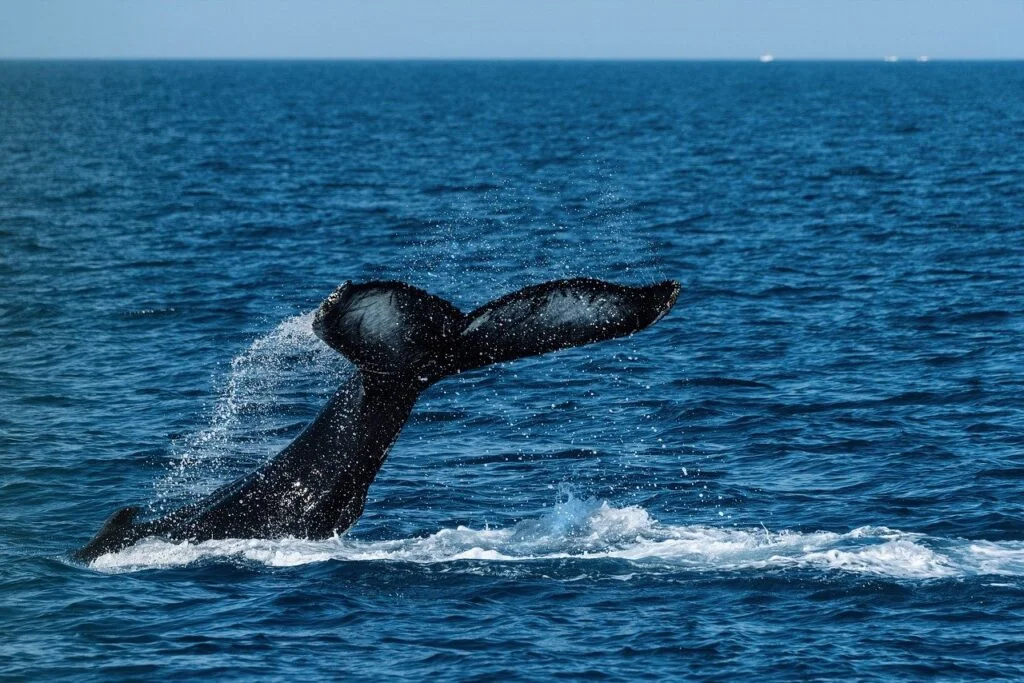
(592, 530)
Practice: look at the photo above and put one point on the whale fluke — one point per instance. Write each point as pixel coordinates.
(558, 315)
(401, 340)
(395, 328)
(390, 328)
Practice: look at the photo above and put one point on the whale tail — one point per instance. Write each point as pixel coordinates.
(401, 339)
(395, 329)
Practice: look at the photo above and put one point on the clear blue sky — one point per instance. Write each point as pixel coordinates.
(687, 29)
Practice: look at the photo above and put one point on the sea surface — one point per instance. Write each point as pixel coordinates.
(812, 469)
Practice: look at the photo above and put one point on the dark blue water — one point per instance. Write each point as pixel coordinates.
(811, 469)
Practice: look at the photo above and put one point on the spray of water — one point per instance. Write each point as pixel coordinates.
(555, 234)
(272, 389)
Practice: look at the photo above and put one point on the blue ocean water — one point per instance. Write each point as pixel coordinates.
(811, 469)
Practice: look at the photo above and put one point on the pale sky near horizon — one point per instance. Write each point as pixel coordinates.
(512, 29)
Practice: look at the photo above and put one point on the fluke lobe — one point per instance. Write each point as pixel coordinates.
(401, 340)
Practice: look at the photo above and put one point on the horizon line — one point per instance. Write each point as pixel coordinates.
(755, 58)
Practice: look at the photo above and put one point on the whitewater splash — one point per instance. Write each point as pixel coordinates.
(591, 530)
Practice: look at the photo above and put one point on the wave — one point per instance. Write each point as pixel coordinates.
(593, 530)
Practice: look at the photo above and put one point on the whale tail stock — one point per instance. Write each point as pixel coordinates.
(399, 331)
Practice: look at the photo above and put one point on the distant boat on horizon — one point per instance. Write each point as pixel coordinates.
(890, 58)
(923, 58)
(766, 57)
